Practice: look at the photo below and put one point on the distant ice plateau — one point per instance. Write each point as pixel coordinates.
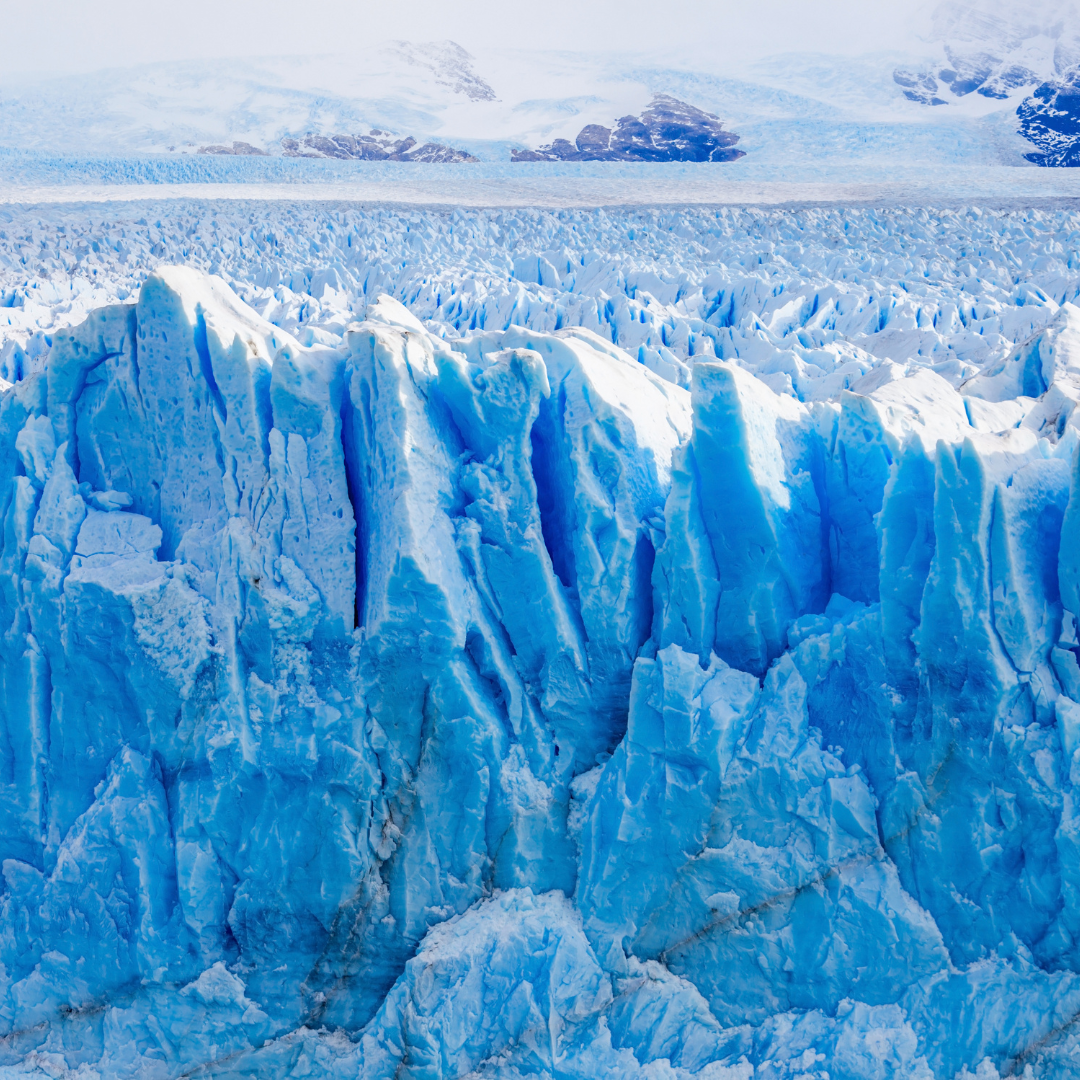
(451, 643)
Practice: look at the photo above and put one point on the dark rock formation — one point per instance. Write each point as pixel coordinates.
(668, 130)
(918, 86)
(968, 73)
(1050, 118)
(981, 73)
(377, 145)
(240, 149)
(1008, 78)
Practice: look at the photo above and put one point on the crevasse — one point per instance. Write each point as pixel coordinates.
(493, 707)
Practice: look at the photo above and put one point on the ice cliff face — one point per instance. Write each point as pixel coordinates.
(494, 707)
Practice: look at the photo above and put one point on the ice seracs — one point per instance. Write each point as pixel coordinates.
(490, 704)
(810, 300)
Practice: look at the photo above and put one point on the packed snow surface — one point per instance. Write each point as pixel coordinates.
(450, 643)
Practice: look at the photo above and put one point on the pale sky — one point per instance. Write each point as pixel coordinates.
(85, 35)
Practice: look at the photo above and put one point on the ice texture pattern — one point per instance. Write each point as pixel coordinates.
(452, 644)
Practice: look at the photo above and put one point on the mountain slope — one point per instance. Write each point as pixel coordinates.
(492, 103)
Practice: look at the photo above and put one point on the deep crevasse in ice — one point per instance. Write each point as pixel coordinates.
(493, 707)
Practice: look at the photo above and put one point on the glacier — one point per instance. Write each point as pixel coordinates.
(451, 643)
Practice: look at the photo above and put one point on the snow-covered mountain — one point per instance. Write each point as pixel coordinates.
(668, 130)
(401, 87)
(995, 49)
(433, 92)
(490, 103)
(1025, 57)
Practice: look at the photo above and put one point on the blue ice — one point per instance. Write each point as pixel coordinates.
(489, 705)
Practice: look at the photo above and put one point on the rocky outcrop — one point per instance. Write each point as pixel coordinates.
(979, 73)
(668, 130)
(1050, 118)
(920, 86)
(377, 145)
(238, 149)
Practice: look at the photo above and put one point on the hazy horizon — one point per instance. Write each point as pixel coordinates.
(69, 38)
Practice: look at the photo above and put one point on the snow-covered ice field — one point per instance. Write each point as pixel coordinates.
(461, 642)
(889, 181)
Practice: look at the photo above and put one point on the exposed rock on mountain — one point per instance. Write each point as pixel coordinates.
(238, 149)
(1050, 118)
(377, 145)
(981, 73)
(668, 130)
(450, 64)
(993, 48)
(918, 86)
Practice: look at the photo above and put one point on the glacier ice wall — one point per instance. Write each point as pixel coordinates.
(488, 705)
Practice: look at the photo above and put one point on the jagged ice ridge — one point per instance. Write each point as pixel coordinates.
(386, 697)
(816, 297)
